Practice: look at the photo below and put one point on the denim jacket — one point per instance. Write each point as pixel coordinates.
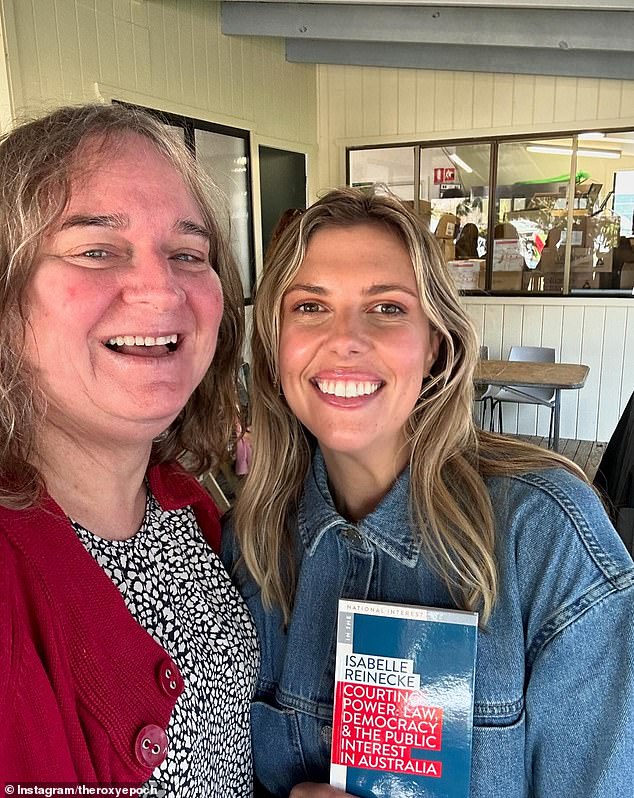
(554, 696)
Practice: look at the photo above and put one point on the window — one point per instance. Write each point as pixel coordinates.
(550, 215)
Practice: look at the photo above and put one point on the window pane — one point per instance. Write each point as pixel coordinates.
(531, 209)
(454, 187)
(392, 167)
(624, 200)
(603, 257)
(225, 159)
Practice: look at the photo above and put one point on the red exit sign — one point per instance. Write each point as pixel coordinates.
(444, 174)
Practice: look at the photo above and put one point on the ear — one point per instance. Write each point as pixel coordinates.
(432, 351)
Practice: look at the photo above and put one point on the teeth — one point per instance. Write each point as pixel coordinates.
(140, 340)
(347, 388)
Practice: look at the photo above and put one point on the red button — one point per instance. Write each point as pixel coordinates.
(151, 745)
(170, 679)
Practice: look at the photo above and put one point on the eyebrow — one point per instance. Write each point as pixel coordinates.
(119, 221)
(188, 227)
(114, 221)
(373, 290)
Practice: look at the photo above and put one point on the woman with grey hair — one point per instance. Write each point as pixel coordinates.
(127, 653)
(369, 481)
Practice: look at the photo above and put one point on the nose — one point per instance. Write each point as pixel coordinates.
(347, 334)
(153, 280)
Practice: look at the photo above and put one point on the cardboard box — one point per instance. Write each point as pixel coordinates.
(507, 281)
(581, 259)
(553, 282)
(507, 255)
(446, 226)
(579, 233)
(538, 281)
(549, 261)
(597, 233)
(603, 231)
(584, 280)
(448, 249)
(468, 275)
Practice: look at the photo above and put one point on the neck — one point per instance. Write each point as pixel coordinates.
(358, 487)
(100, 487)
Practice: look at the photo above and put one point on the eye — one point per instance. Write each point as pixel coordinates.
(96, 258)
(192, 261)
(308, 307)
(95, 254)
(387, 309)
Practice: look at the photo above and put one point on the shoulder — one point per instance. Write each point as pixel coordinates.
(555, 511)
(558, 553)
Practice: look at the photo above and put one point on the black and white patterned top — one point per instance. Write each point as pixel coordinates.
(178, 590)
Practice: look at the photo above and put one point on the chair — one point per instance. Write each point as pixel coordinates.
(526, 396)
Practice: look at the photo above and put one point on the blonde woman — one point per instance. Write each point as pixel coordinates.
(370, 481)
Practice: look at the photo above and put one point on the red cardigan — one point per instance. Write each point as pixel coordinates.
(85, 692)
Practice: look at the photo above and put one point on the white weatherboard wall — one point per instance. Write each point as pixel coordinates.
(376, 106)
(594, 331)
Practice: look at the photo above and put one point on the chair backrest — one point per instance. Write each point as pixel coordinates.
(532, 354)
(535, 354)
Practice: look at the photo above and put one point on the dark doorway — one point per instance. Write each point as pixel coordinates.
(282, 186)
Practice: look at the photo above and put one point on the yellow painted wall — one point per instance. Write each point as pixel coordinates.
(367, 105)
(168, 54)
(164, 54)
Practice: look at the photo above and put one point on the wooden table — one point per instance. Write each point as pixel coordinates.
(515, 373)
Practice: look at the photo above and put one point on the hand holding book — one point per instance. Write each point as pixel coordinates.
(310, 790)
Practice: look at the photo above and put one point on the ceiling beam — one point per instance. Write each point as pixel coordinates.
(598, 5)
(586, 63)
(523, 28)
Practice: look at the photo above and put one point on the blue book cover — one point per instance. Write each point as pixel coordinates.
(403, 704)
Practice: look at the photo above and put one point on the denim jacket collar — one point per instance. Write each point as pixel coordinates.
(388, 526)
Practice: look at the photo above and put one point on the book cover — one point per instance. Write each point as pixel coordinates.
(403, 704)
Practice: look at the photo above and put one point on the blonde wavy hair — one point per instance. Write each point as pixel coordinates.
(38, 160)
(449, 456)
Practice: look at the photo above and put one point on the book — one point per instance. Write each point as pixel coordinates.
(403, 703)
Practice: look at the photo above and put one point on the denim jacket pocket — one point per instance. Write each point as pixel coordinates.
(278, 759)
(497, 767)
